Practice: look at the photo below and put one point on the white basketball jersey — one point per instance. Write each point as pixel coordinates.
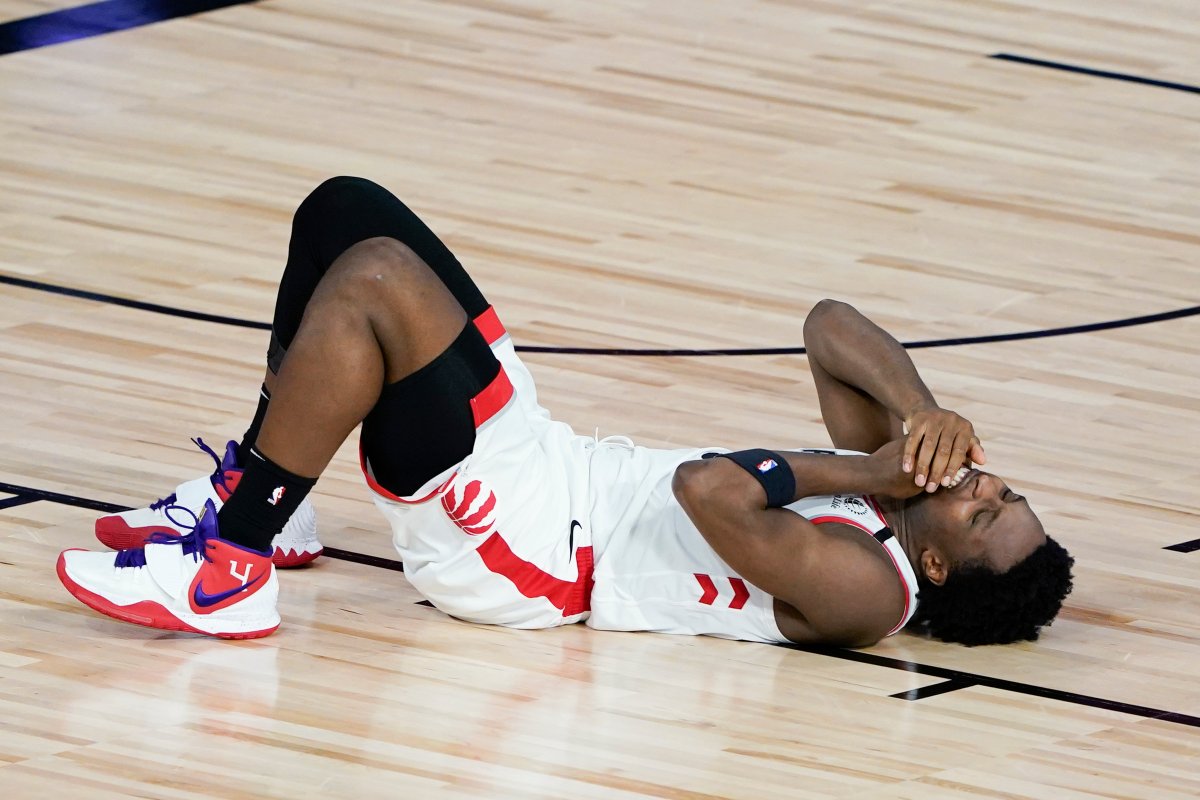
(654, 571)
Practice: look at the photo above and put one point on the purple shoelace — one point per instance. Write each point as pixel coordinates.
(193, 542)
(218, 476)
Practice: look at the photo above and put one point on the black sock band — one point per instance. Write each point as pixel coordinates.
(251, 436)
(265, 499)
(771, 470)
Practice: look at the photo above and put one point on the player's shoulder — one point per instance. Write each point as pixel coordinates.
(861, 595)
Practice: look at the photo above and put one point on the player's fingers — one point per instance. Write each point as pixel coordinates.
(958, 457)
(976, 452)
(910, 449)
(928, 450)
(941, 458)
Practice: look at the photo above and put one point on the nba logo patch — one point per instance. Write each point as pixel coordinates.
(766, 465)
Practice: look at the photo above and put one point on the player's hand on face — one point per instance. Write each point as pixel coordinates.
(887, 470)
(939, 442)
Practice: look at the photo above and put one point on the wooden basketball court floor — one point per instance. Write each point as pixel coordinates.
(629, 176)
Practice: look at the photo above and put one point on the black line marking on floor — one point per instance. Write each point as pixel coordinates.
(1185, 547)
(62, 499)
(611, 351)
(19, 500)
(1095, 73)
(363, 558)
(933, 690)
(97, 19)
(857, 656)
(83, 294)
(1015, 687)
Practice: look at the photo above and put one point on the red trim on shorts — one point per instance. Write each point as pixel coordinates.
(375, 487)
(708, 587)
(489, 325)
(570, 597)
(484, 406)
(488, 403)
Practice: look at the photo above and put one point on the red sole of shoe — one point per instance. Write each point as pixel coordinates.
(292, 559)
(145, 613)
(131, 538)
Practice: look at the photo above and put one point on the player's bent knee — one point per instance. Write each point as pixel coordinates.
(380, 269)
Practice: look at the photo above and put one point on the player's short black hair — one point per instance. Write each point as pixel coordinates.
(976, 605)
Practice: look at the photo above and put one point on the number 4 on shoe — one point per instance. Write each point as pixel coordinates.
(296, 544)
(195, 582)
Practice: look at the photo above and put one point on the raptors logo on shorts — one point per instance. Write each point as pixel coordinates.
(474, 511)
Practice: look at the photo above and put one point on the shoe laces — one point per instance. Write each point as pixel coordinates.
(163, 503)
(194, 542)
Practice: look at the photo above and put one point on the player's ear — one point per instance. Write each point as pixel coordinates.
(934, 567)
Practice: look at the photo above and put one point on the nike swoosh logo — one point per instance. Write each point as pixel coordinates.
(571, 541)
(204, 600)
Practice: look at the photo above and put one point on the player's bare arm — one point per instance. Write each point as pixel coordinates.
(870, 393)
(833, 584)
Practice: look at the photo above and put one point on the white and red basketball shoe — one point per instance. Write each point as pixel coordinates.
(194, 582)
(295, 545)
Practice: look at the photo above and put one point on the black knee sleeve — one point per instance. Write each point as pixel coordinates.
(337, 215)
(424, 423)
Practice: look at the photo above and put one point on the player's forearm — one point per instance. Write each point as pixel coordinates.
(719, 487)
(859, 353)
(729, 508)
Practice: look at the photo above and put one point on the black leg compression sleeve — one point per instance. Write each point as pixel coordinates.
(340, 213)
(423, 424)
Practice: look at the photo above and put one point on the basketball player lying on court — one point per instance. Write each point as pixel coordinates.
(504, 516)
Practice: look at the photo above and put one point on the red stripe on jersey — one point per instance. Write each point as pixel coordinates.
(860, 526)
(878, 510)
(378, 489)
(904, 583)
(532, 581)
(710, 588)
(844, 521)
(488, 403)
(489, 325)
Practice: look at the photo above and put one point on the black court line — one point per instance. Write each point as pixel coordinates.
(965, 679)
(1090, 327)
(62, 499)
(1096, 73)
(99, 297)
(97, 19)
(933, 690)
(363, 558)
(953, 679)
(1185, 547)
(13, 502)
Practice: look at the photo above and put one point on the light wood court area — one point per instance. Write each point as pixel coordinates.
(627, 175)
